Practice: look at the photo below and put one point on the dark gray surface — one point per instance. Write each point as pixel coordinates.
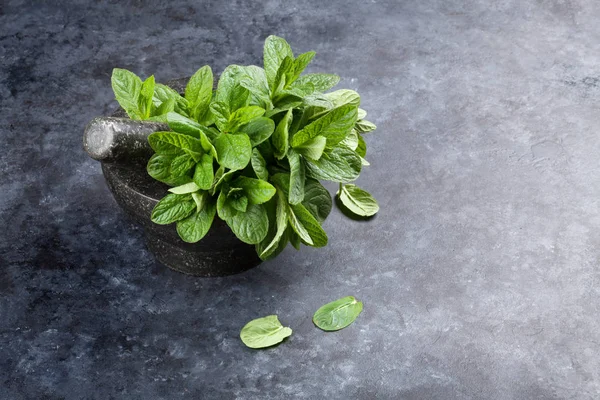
(479, 276)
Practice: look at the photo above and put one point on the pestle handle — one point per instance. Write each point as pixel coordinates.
(110, 139)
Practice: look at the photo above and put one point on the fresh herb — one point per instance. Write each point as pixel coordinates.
(252, 151)
(338, 314)
(264, 332)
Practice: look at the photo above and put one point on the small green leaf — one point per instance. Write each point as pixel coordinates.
(163, 93)
(343, 97)
(312, 148)
(185, 188)
(297, 177)
(159, 168)
(170, 143)
(334, 126)
(338, 314)
(285, 71)
(204, 173)
(165, 107)
(264, 332)
(243, 116)
(198, 93)
(257, 190)
(200, 198)
(280, 138)
(363, 126)
(320, 82)
(251, 226)
(300, 64)
(172, 208)
(312, 227)
(317, 200)
(239, 203)
(276, 49)
(193, 228)
(145, 100)
(282, 223)
(357, 200)
(230, 92)
(350, 141)
(225, 209)
(127, 86)
(234, 151)
(259, 165)
(339, 165)
(182, 164)
(254, 79)
(221, 113)
(362, 114)
(258, 130)
(361, 149)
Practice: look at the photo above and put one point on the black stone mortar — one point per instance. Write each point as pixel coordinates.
(121, 145)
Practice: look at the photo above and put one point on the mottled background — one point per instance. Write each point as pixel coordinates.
(479, 276)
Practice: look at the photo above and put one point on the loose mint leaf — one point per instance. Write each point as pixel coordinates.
(172, 208)
(364, 126)
(182, 164)
(281, 223)
(312, 148)
(259, 165)
(258, 130)
(334, 126)
(230, 92)
(320, 82)
(350, 141)
(170, 143)
(242, 116)
(257, 191)
(127, 86)
(361, 149)
(145, 100)
(337, 314)
(357, 200)
(311, 226)
(198, 93)
(234, 151)
(317, 200)
(159, 168)
(280, 137)
(276, 49)
(204, 173)
(297, 177)
(264, 332)
(251, 226)
(339, 165)
(185, 188)
(163, 93)
(193, 228)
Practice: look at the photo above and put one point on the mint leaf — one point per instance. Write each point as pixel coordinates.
(361, 149)
(350, 141)
(240, 203)
(337, 314)
(357, 200)
(297, 177)
(300, 64)
(145, 100)
(276, 49)
(317, 199)
(364, 126)
(242, 116)
(204, 173)
(257, 190)
(198, 93)
(362, 114)
(163, 93)
(225, 210)
(312, 227)
(159, 168)
(280, 138)
(233, 151)
(320, 82)
(182, 164)
(343, 97)
(164, 108)
(193, 228)
(230, 92)
(259, 165)
(334, 126)
(185, 188)
(254, 79)
(258, 130)
(312, 148)
(181, 124)
(281, 223)
(172, 208)
(339, 165)
(127, 86)
(264, 332)
(284, 73)
(170, 143)
(221, 113)
(251, 226)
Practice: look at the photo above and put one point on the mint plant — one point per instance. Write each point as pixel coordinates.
(253, 151)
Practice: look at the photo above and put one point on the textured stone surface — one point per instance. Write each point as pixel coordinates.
(479, 276)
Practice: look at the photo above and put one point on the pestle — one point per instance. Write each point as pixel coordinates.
(121, 140)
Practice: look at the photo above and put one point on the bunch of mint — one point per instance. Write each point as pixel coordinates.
(253, 151)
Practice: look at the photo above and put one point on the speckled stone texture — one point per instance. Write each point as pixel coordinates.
(479, 276)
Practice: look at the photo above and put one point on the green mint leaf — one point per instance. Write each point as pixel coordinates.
(312, 148)
(230, 92)
(159, 168)
(251, 226)
(276, 49)
(233, 151)
(281, 223)
(258, 130)
(243, 116)
(220, 111)
(239, 203)
(185, 188)
(258, 191)
(362, 114)
(337, 314)
(334, 126)
(339, 165)
(342, 97)
(224, 208)
(300, 64)
(164, 108)
(317, 199)
(364, 126)
(361, 148)
(198, 93)
(284, 73)
(204, 173)
(311, 226)
(259, 165)
(293, 237)
(182, 164)
(200, 198)
(350, 141)
(163, 93)
(193, 228)
(145, 100)
(280, 138)
(127, 86)
(297, 177)
(264, 332)
(170, 143)
(320, 82)
(172, 208)
(181, 124)
(254, 79)
(357, 200)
